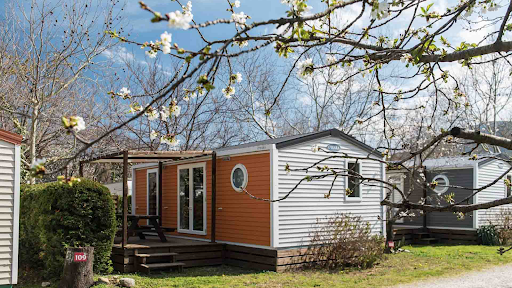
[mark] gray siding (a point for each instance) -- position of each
(460, 177)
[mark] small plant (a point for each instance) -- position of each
(504, 224)
(488, 235)
(344, 240)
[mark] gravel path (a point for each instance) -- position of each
(496, 277)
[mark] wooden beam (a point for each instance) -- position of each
(214, 194)
(125, 198)
(160, 189)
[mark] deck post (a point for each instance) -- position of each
(214, 194)
(160, 188)
(125, 198)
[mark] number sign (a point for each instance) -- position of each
(80, 257)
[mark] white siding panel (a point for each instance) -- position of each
(7, 186)
(487, 174)
(306, 205)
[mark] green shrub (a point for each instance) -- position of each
(344, 240)
(488, 235)
(57, 215)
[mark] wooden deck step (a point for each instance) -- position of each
(156, 255)
(160, 266)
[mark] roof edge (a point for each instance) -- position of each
(10, 137)
(331, 132)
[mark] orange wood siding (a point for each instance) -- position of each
(241, 220)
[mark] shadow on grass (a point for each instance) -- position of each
(208, 271)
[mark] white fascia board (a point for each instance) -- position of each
(144, 165)
(250, 149)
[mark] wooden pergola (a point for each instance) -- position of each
(160, 157)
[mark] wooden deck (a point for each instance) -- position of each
(191, 252)
(201, 253)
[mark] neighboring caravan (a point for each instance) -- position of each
(459, 171)
(9, 206)
(260, 167)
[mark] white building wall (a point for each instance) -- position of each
(299, 212)
(9, 175)
(488, 173)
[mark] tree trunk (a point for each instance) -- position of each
(33, 140)
(78, 271)
(389, 229)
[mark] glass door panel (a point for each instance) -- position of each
(152, 193)
(184, 199)
(198, 205)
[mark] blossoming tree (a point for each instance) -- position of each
(353, 36)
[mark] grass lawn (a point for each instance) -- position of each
(422, 263)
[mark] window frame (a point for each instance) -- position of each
(246, 177)
(360, 166)
(447, 183)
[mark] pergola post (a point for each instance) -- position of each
(160, 188)
(214, 194)
(125, 199)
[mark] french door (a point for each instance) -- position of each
(152, 192)
(192, 198)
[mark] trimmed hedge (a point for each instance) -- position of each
(56, 215)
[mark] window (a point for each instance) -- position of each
(509, 189)
(354, 169)
(442, 183)
(239, 177)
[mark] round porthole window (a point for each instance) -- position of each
(442, 182)
(239, 177)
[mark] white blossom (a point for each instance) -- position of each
(124, 92)
(193, 95)
(494, 7)
(228, 91)
(177, 19)
(468, 12)
(239, 19)
(164, 113)
(153, 135)
(152, 114)
(305, 68)
(331, 59)
(169, 140)
(79, 123)
(235, 78)
(406, 57)
(242, 44)
(166, 49)
(175, 109)
(186, 98)
(166, 38)
(236, 4)
(381, 11)
(135, 108)
(151, 53)
(315, 148)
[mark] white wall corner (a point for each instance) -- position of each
(274, 194)
(475, 197)
(383, 208)
(16, 216)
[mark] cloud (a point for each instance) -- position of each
(119, 54)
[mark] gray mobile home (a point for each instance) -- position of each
(454, 171)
